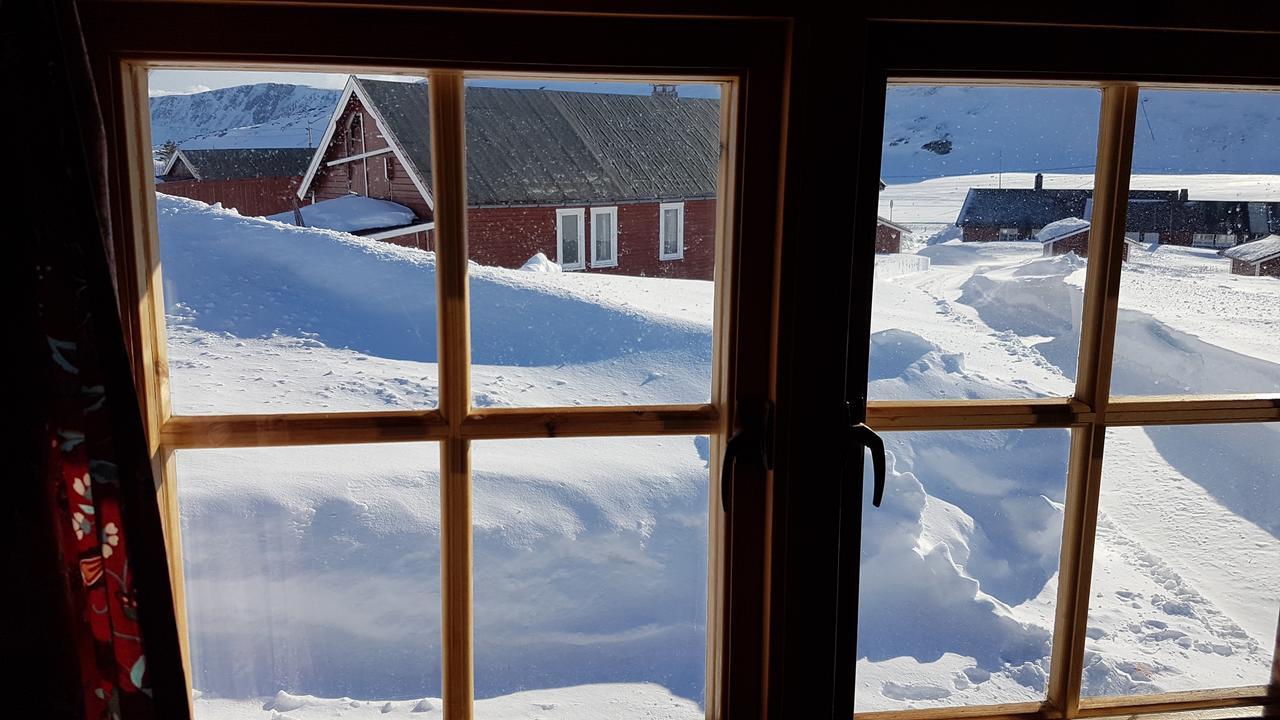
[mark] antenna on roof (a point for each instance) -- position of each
(665, 90)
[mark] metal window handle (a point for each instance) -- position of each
(864, 437)
(749, 443)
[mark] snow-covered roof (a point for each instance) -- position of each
(237, 163)
(1256, 251)
(1065, 227)
(882, 220)
(351, 213)
(555, 147)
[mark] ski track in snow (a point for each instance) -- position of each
(315, 570)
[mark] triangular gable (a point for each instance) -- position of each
(397, 148)
(173, 160)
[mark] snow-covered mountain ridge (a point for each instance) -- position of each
(261, 115)
(936, 131)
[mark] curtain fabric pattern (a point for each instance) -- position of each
(91, 542)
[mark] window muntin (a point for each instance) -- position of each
(671, 231)
(569, 239)
(968, 306)
(311, 571)
(629, 329)
(1096, 423)
(390, 429)
(1192, 320)
(959, 569)
(604, 237)
(598, 600)
(1187, 560)
(247, 328)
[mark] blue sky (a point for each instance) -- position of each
(170, 82)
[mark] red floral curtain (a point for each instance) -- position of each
(98, 629)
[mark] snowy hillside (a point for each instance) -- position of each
(313, 574)
(246, 116)
(935, 131)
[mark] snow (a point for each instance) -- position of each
(1255, 251)
(1061, 228)
(987, 129)
(352, 213)
(313, 573)
(245, 116)
(541, 264)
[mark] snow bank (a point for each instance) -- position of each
(246, 283)
(540, 263)
(314, 573)
(350, 214)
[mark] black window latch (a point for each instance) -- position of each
(751, 443)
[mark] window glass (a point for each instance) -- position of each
(590, 574)
(1186, 578)
(1200, 285)
(970, 300)
(570, 240)
(312, 578)
(296, 276)
(605, 236)
(672, 229)
(959, 569)
(574, 175)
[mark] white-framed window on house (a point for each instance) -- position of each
(569, 250)
(1009, 234)
(604, 237)
(671, 231)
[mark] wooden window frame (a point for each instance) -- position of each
(580, 214)
(1088, 413)
(662, 231)
(748, 56)
(612, 211)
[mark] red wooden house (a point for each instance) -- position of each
(600, 183)
(254, 181)
(1260, 257)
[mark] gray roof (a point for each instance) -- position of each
(1030, 208)
(552, 147)
(1255, 251)
(232, 164)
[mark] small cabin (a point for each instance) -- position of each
(254, 181)
(889, 236)
(1260, 257)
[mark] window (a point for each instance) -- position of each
(604, 237)
(597, 556)
(671, 232)
(1010, 234)
(1105, 544)
(570, 254)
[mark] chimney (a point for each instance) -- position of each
(665, 90)
(1182, 194)
(1039, 181)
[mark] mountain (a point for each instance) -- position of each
(941, 131)
(261, 115)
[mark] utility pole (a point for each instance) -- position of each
(308, 136)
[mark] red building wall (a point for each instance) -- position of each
(888, 240)
(508, 236)
(250, 196)
(980, 234)
(1270, 267)
(1079, 244)
(366, 176)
